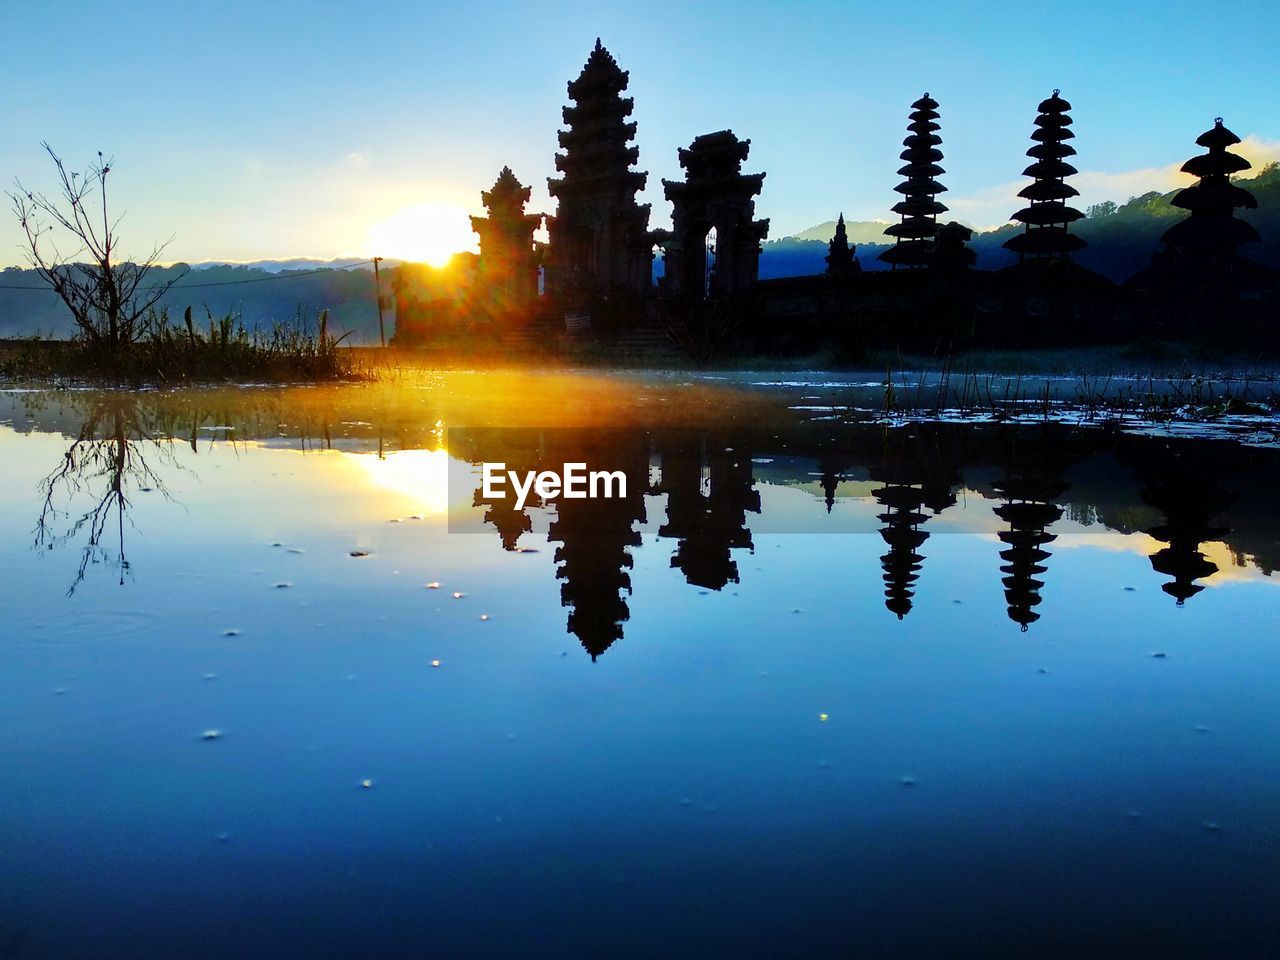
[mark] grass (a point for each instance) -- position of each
(167, 353)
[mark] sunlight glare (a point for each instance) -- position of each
(428, 233)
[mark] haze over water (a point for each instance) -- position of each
(291, 689)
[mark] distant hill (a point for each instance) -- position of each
(258, 294)
(1121, 237)
(860, 231)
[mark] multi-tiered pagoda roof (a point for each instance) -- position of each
(1047, 215)
(1213, 230)
(919, 207)
(598, 153)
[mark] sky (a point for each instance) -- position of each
(288, 129)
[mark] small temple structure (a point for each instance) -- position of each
(600, 240)
(715, 199)
(919, 208)
(1213, 233)
(506, 277)
(842, 259)
(1047, 216)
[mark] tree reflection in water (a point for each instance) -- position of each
(106, 464)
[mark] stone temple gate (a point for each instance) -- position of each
(714, 195)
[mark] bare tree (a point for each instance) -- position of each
(106, 293)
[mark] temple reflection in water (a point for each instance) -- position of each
(697, 493)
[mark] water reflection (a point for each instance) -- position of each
(700, 491)
(86, 498)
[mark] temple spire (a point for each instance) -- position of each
(841, 258)
(599, 237)
(1047, 216)
(919, 209)
(1212, 231)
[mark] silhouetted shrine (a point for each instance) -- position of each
(1047, 216)
(902, 520)
(506, 278)
(919, 207)
(1029, 510)
(842, 260)
(593, 281)
(1213, 232)
(715, 197)
(600, 240)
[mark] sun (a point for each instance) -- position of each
(423, 233)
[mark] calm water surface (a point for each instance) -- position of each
(276, 681)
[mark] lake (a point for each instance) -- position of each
(278, 680)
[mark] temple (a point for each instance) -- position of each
(1047, 216)
(931, 289)
(506, 277)
(842, 260)
(1213, 232)
(600, 241)
(919, 207)
(715, 199)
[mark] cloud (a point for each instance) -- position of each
(992, 206)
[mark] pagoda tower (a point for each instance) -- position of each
(596, 537)
(902, 519)
(1189, 500)
(1029, 512)
(919, 207)
(842, 261)
(1212, 232)
(600, 240)
(1047, 216)
(506, 278)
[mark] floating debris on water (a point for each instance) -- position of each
(359, 553)
(231, 632)
(1042, 669)
(211, 734)
(458, 594)
(277, 544)
(823, 717)
(1130, 589)
(435, 663)
(484, 616)
(282, 585)
(433, 585)
(1160, 655)
(295, 550)
(366, 784)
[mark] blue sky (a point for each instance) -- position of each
(278, 129)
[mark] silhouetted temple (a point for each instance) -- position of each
(1047, 216)
(1029, 511)
(600, 240)
(919, 207)
(593, 282)
(902, 519)
(506, 278)
(842, 260)
(1213, 232)
(1189, 499)
(715, 198)
(707, 516)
